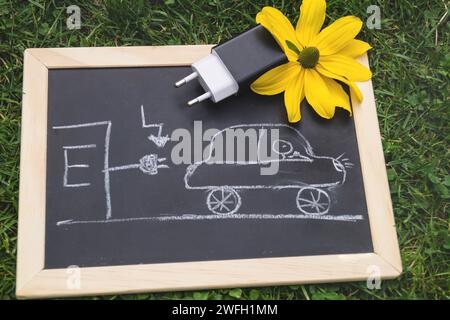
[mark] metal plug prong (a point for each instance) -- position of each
(185, 80)
(201, 98)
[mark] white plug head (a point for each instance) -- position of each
(214, 77)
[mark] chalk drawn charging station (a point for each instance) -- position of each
(100, 191)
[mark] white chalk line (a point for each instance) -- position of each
(106, 172)
(86, 146)
(82, 125)
(124, 167)
(151, 125)
(345, 218)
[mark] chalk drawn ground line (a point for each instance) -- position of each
(346, 218)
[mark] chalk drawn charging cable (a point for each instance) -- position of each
(234, 63)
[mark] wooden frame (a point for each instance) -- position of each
(34, 281)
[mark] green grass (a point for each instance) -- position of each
(410, 61)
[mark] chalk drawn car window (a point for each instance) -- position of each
(285, 150)
(282, 147)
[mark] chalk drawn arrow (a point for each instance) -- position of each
(159, 140)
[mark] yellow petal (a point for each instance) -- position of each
(355, 48)
(337, 35)
(318, 94)
(346, 67)
(294, 95)
(281, 29)
(312, 16)
(354, 89)
(275, 80)
(338, 95)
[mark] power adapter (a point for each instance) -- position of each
(234, 63)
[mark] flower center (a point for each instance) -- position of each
(309, 57)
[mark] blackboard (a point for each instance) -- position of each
(115, 197)
(87, 227)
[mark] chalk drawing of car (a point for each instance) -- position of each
(299, 168)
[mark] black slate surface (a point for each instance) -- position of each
(78, 231)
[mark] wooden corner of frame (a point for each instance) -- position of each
(29, 52)
(394, 265)
(22, 285)
(20, 293)
(32, 56)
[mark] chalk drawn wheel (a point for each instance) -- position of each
(313, 201)
(223, 201)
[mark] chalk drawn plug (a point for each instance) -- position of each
(150, 163)
(299, 169)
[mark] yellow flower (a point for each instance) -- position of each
(315, 58)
